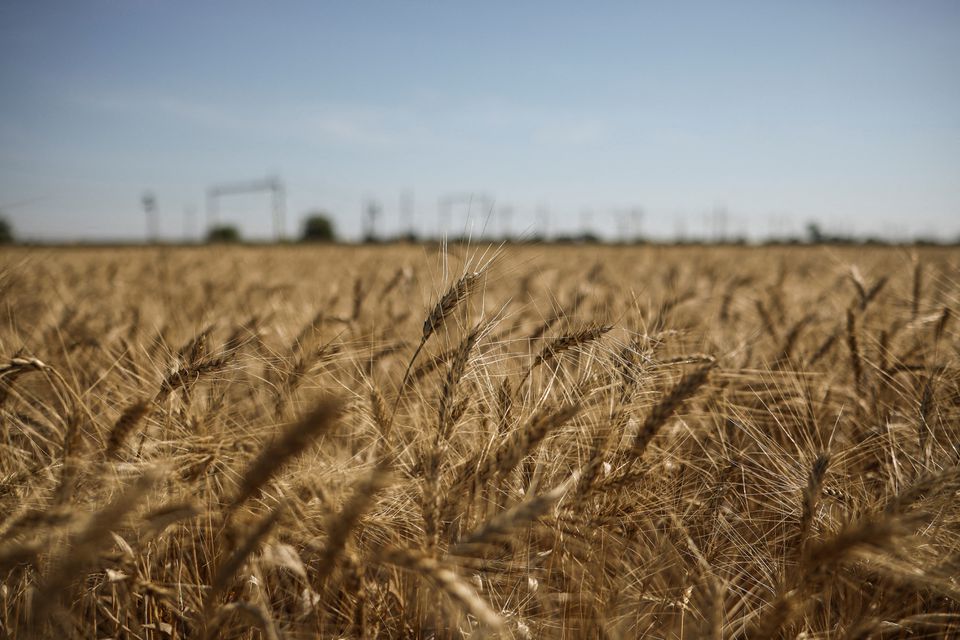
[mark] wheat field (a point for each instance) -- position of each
(514, 442)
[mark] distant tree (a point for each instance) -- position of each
(588, 237)
(6, 231)
(317, 227)
(223, 233)
(410, 237)
(814, 233)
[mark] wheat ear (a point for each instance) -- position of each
(293, 441)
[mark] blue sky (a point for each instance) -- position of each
(778, 113)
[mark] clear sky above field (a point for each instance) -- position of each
(570, 113)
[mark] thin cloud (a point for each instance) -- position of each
(316, 123)
(571, 132)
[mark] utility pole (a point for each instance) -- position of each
(636, 220)
(279, 193)
(623, 226)
(212, 208)
(189, 223)
(371, 212)
(443, 215)
(149, 202)
(506, 222)
(679, 229)
(719, 218)
(586, 223)
(543, 222)
(406, 213)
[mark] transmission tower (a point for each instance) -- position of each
(278, 195)
(446, 203)
(586, 223)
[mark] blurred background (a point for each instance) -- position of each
(146, 120)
